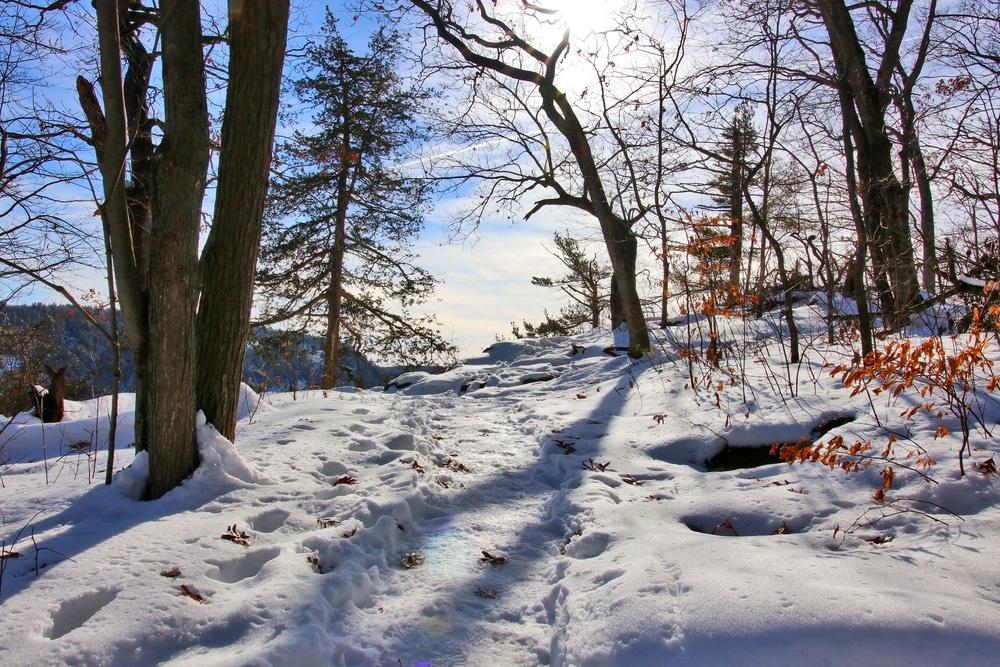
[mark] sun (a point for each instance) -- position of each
(583, 16)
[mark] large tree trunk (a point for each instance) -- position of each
(181, 167)
(884, 199)
(618, 237)
(257, 34)
(335, 291)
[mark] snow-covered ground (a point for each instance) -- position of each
(545, 504)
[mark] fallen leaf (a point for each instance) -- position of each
(233, 534)
(629, 479)
(189, 592)
(492, 559)
(411, 560)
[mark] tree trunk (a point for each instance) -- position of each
(884, 199)
(181, 167)
(736, 177)
(618, 237)
(334, 314)
(258, 30)
(857, 273)
(110, 137)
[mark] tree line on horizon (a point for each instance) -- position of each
(35, 335)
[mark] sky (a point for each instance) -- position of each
(545, 503)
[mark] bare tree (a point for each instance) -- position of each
(865, 96)
(501, 57)
(37, 158)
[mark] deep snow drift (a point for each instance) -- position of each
(545, 504)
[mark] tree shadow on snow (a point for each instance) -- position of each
(540, 551)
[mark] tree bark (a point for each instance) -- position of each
(181, 168)
(258, 30)
(110, 141)
(883, 196)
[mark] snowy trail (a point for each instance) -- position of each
(489, 480)
(500, 473)
(349, 529)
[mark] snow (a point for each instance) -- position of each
(584, 473)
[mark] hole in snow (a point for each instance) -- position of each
(736, 457)
(745, 525)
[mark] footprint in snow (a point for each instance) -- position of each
(589, 545)
(72, 614)
(237, 569)
(269, 521)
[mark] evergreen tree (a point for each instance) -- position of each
(584, 284)
(739, 141)
(337, 248)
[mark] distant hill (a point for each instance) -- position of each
(32, 336)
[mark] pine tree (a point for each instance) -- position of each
(739, 141)
(584, 284)
(337, 248)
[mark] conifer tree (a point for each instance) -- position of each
(584, 285)
(337, 248)
(739, 141)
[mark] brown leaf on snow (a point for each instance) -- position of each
(493, 559)
(567, 447)
(189, 592)
(327, 522)
(233, 534)
(411, 560)
(314, 561)
(595, 466)
(488, 593)
(629, 479)
(783, 530)
(171, 573)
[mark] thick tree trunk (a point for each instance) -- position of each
(331, 344)
(884, 199)
(257, 35)
(181, 167)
